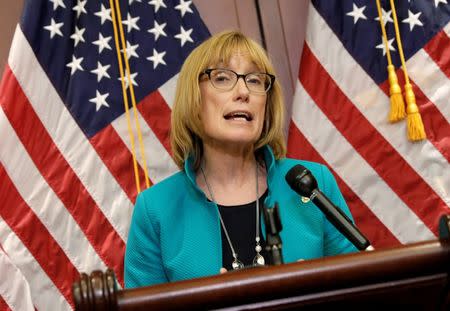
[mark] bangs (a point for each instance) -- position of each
(221, 51)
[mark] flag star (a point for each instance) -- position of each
(131, 23)
(78, 35)
(75, 65)
(357, 13)
(132, 78)
(158, 30)
(184, 7)
(99, 100)
(54, 28)
(102, 42)
(104, 14)
(57, 3)
(386, 17)
(382, 46)
(157, 4)
(101, 71)
(157, 58)
(436, 2)
(80, 7)
(413, 20)
(184, 35)
(131, 50)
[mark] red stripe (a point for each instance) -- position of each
(59, 175)
(36, 238)
(119, 160)
(438, 49)
(377, 233)
(156, 113)
(435, 124)
(364, 138)
(3, 305)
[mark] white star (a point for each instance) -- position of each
(157, 58)
(158, 30)
(131, 50)
(184, 7)
(102, 42)
(131, 23)
(357, 13)
(101, 71)
(99, 100)
(54, 28)
(413, 20)
(57, 3)
(184, 35)
(157, 4)
(132, 77)
(79, 8)
(386, 17)
(104, 14)
(436, 2)
(383, 46)
(75, 65)
(78, 35)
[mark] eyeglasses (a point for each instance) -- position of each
(226, 79)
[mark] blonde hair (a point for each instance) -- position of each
(186, 126)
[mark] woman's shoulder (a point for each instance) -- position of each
(169, 185)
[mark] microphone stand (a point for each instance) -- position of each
(273, 239)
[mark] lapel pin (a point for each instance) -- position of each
(305, 200)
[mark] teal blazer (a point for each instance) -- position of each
(175, 231)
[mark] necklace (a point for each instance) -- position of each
(237, 264)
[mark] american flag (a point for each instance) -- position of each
(67, 181)
(396, 189)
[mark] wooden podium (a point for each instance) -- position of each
(415, 276)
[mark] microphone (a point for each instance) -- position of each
(303, 182)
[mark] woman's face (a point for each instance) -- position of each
(235, 117)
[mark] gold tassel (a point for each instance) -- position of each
(416, 131)
(397, 111)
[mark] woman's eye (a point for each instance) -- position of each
(255, 81)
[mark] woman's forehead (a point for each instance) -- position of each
(225, 58)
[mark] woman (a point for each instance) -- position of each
(227, 139)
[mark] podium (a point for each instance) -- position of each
(414, 276)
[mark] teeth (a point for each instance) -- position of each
(238, 115)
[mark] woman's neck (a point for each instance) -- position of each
(231, 175)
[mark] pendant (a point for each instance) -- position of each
(237, 264)
(259, 260)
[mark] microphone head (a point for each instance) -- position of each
(300, 179)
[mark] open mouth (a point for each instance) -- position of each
(238, 115)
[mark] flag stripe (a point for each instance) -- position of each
(44, 294)
(351, 121)
(427, 75)
(356, 172)
(377, 233)
(374, 104)
(36, 193)
(119, 160)
(36, 237)
(67, 135)
(14, 289)
(159, 162)
(157, 115)
(438, 49)
(55, 169)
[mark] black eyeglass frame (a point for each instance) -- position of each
(243, 76)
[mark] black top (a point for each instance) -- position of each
(240, 221)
